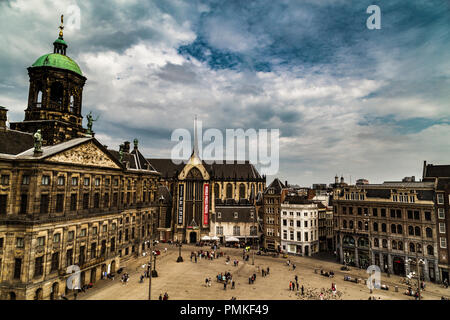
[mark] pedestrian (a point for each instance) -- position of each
(166, 296)
(290, 285)
(303, 289)
(232, 284)
(225, 285)
(267, 270)
(160, 296)
(206, 282)
(293, 266)
(196, 258)
(297, 286)
(296, 278)
(321, 296)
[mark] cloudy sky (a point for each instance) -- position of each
(363, 103)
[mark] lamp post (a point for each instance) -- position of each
(180, 258)
(253, 244)
(418, 261)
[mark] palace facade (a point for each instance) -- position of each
(72, 205)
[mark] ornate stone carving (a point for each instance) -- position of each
(85, 154)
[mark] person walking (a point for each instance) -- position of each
(232, 284)
(160, 296)
(303, 289)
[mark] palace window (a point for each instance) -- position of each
(73, 202)
(59, 202)
(61, 181)
(441, 227)
(55, 261)
(4, 180)
(96, 200)
(74, 181)
(38, 266)
(83, 232)
(56, 237)
(17, 268)
(440, 198)
(40, 241)
(45, 200)
(69, 257)
(236, 230)
(383, 212)
(70, 235)
(86, 201)
(97, 182)
(45, 180)
(429, 232)
(26, 180)
(383, 227)
(430, 250)
(23, 204)
(3, 203)
(86, 181)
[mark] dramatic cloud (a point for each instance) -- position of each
(347, 100)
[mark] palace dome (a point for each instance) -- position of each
(57, 60)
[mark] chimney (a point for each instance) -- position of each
(126, 146)
(3, 117)
(285, 183)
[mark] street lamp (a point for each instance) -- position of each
(180, 258)
(418, 261)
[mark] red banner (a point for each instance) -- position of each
(205, 204)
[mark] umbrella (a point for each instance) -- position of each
(206, 238)
(232, 239)
(215, 238)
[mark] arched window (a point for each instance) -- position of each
(399, 229)
(359, 225)
(216, 191)
(71, 104)
(383, 227)
(394, 244)
(429, 233)
(375, 226)
(400, 245)
(229, 191)
(57, 92)
(344, 224)
(412, 248)
(366, 226)
(351, 224)
(411, 230)
(417, 231)
(430, 250)
(242, 191)
(385, 243)
(376, 242)
(39, 99)
(393, 228)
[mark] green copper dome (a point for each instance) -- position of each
(57, 60)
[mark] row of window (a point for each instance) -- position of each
(61, 181)
(237, 230)
(299, 214)
(299, 236)
(305, 223)
(60, 199)
(395, 229)
(393, 213)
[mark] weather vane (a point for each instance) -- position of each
(61, 27)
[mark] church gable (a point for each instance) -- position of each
(87, 154)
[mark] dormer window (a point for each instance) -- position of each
(236, 215)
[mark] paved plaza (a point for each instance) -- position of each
(186, 280)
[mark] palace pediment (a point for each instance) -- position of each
(86, 154)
